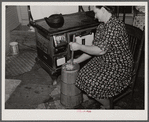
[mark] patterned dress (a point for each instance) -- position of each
(107, 75)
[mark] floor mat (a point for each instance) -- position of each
(10, 86)
(21, 63)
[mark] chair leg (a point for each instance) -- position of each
(132, 100)
(111, 103)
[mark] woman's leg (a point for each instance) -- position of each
(105, 103)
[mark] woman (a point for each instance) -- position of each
(108, 72)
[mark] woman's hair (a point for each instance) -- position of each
(110, 9)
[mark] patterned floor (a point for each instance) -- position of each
(21, 63)
(10, 86)
(36, 91)
(55, 103)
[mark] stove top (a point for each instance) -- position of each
(71, 22)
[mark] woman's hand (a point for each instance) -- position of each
(74, 46)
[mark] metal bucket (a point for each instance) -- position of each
(14, 50)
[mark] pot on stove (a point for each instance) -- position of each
(55, 20)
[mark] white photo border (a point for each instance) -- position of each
(52, 114)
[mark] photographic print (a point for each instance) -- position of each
(74, 60)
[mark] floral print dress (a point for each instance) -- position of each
(107, 75)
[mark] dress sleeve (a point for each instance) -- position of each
(105, 37)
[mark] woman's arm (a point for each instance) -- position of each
(92, 50)
(82, 58)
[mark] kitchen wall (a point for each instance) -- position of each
(12, 21)
(40, 12)
(23, 15)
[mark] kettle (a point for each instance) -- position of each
(55, 20)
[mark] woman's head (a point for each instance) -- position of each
(110, 9)
(103, 12)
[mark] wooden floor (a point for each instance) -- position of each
(36, 89)
(37, 92)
